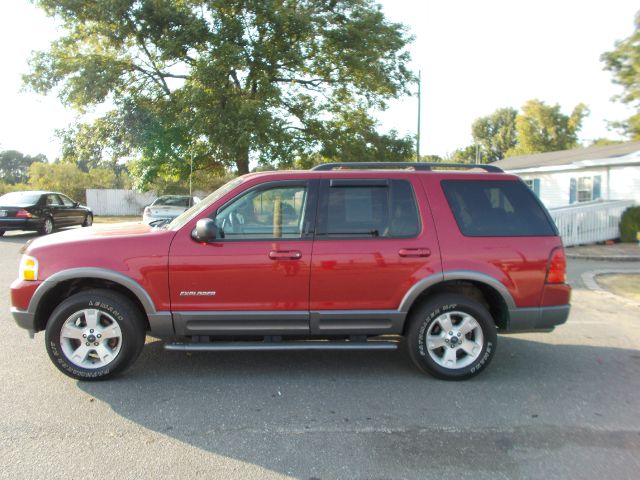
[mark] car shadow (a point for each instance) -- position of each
(19, 236)
(270, 408)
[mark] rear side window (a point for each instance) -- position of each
(496, 209)
(368, 209)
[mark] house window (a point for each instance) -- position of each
(533, 184)
(585, 189)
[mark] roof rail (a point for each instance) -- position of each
(403, 165)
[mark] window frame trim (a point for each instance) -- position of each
(325, 186)
(308, 215)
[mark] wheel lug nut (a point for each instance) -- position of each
(87, 344)
(99, 336)
(84, 335)
(459, 334)
(91, 331)
(96, 344)
(450, 333)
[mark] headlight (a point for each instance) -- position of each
(28, 268)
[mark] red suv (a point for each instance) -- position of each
(339, 257)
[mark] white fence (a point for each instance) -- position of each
(118, 202)
(589, 222)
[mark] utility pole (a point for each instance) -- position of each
(419, 104)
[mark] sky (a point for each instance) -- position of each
(474, 56)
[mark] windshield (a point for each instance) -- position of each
(171, 202)
(19, 199)
(187, 215)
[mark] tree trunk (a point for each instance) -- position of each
(242, 160)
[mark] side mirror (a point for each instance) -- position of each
(76, 204)
(205, 231)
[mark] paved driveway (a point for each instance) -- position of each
(559, 405)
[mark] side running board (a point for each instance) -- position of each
(283, 345)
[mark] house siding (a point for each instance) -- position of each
(617, 183)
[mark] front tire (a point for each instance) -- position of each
(451, 337)
(94, 335)
(88, 220)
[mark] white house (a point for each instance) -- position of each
(610, 172)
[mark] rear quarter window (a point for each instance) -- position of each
(497, 208)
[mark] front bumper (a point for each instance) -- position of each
(25, 320)
(536, 319)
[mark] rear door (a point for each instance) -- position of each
(374, 240)
(55, 208)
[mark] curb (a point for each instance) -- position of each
(589, 279)
(605, 258)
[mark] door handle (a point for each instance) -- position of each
(285, 254)
(414, 252)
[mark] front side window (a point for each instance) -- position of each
(368, 209)
(264, 213)
(67, 201)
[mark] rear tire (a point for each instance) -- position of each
(94, 335)
(1, 233)
(47, 226)
(451, 337)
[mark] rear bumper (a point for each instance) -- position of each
(537, 319)
(20, 223)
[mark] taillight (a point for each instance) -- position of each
(22, 213)
(557, 269)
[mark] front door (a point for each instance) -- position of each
(255, 278)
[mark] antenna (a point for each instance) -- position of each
(419, 105)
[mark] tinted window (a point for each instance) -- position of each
(369, 209)
(53, 200)
(264, 214)
(66, 200)
(496, 209)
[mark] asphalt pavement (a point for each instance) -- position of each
(558, 405)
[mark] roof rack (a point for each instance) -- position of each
(402, 165)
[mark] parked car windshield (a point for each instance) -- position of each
(185, 216)
(19, 199)
(171, 201)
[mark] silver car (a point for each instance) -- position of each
(167, 207)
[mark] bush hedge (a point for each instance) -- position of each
(630, 224)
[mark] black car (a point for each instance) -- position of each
(41, 211)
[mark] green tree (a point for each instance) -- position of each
(14, 166)
(220, 82)
(465, 155)
(544, 128)
(496, 134)
(624, 63)
(69, 179)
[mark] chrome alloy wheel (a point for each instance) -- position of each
(91, 338)
(454, 340)
(47, 226)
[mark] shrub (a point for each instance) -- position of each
(630, 224)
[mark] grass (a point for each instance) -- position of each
(107, 219)
(627, 286)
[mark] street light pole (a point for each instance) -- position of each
(419, 104)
